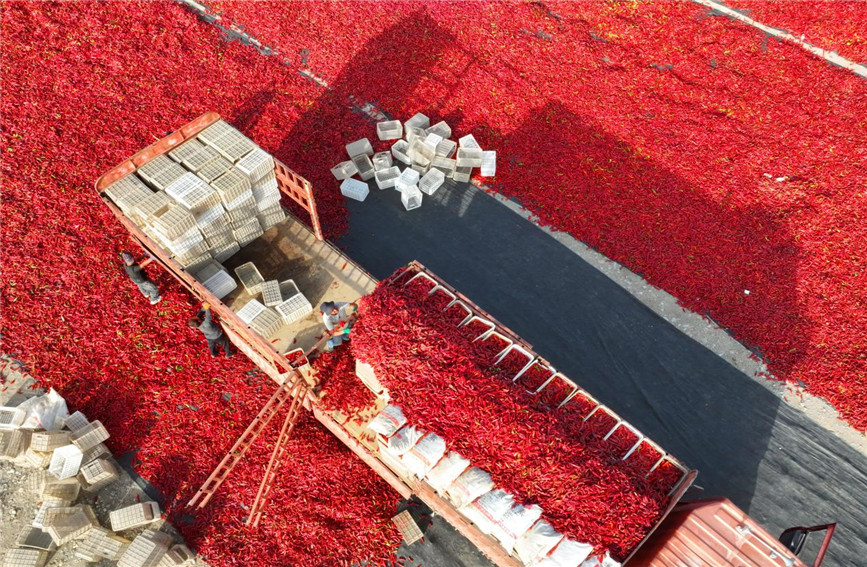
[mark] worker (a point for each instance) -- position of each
(338, 317)
(213, 332)
(135, 272)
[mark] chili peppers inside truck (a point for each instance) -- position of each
(527, 465)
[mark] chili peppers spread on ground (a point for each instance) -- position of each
(446, 383)
(689, 147)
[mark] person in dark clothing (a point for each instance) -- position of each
(213, 332)
(136, 274)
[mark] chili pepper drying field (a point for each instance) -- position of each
(605, 115)
(833, 26)
(652, 131)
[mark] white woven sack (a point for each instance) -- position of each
(515, 523)
(568, 553)
(470, 485)
(404, 440)
(537, 542)
(446, 471)
(389, 420)
(425, 454)
(486, 510)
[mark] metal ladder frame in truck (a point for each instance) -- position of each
(681, 533)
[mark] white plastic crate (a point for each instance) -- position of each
(43, 508)
(61, 491)
(446, 165)
(271, 293)
(178, 556)
(248, 232)
(186, 149)
(127, 191)
(100, 543)
(413, 133)
(462, 174)
(295, 308)
(48, 440)
(99, 470)
(446, 148)
(202, 157)
(432, 140)
(469, 157)
(267, 220)
(193, 193)
(344, 170)
(220, 284)
(256, 165)
(214, 169)
(431, 181)
(66, 524)
(221, 238)
(489, 163)
(194, 263)
(441, 129)
(249, 312)
(411, 198)
(25, 558)
(359, 147)
(266, 323)
(381, 160)
(399, 151)
(242, 218)
(231, 185)
(210, 215)
(469, 142)
(161, 172)
(250, 277)
(95, 452)
(174, 222)
(75, 421)
(35, 538)
(90, 436)
(232, 144)
(266, 196)
(421, 152)
(65, 462)
(267, 183)
(354, 189)
(365, 166)
(408, 178)
(190, 242)
(223, 253)
(419, 120)
(144, 551)
(243, 201)
(421, 169)
(134, 516)
(288, 288)
(386, 178)
(153, 205)
(389, 130)
(11, 418)
(213, 132)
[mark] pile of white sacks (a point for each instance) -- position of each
(426, 153)
(521, 530)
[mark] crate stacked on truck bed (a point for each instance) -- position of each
(204, 200)
(516, 447)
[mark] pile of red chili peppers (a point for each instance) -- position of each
(448, 384)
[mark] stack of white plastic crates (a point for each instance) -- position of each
(426, 152)
(204, 200)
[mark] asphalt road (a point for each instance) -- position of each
(767, 457)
